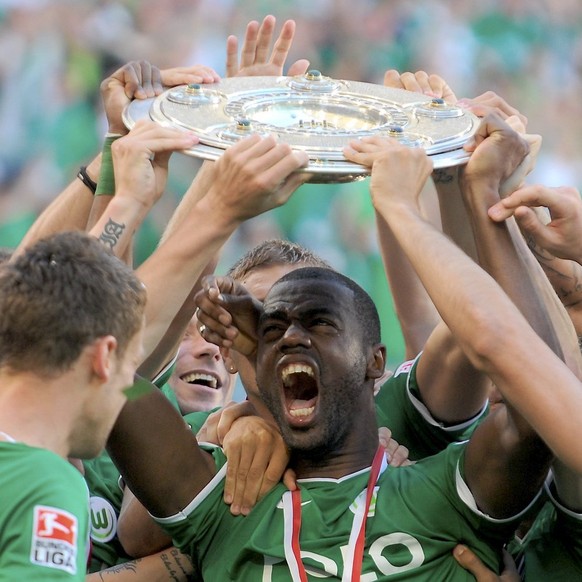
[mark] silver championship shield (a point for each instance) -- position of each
(313, 113)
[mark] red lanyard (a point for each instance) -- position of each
(355, 555)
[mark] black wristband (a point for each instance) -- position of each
(84, 177)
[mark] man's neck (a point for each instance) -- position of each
(336, 464)
(34, 413)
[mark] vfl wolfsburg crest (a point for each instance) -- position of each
(103, 520)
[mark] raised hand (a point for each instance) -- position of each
(561, 236)
(142, 80)
(135, 80)
(254, 175)
(398, 172)
(435, 86)
(227, 314)
(497, 151)
(420, 82)
(141, 159)
(185, 75)
(255, 59)
(490, 102)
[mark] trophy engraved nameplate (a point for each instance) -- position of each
(313, 113)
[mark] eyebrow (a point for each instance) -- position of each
(315, 311)
(277, 314)
(280, 315)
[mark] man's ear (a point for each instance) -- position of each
(104, 358)
(376, 362)
(228, 361)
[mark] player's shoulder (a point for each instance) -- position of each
(37, 464)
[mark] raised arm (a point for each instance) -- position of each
(135, 80)
(458, 386)
(76, 207)
(141, 162)
(505, 447)
(561, 234)
(550, 220)
(495, 335)
(254, 175)
(416, 313)
(68, 211)
(449, 385)
(71, 210)
(494, 489)
(255, 59)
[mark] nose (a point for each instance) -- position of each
(204, 349)
(294, 337)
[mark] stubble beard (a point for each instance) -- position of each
(330, 433)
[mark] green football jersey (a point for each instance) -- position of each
(170, 395)
(43, 516)
(400, 408)
(164, 374)
(106, 495)
(194, 420)
(552, 549)
(417, 516)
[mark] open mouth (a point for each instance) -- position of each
(201, 379)
(300, 390)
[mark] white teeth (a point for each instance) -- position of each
(302, 411)
(295, 369)
(195, 377)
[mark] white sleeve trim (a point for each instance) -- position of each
(182, 515)
(165, 369)
(429, 418)
(557, 504)
(467, 498)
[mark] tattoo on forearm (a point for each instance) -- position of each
(178, 565)
(443, 176)
(112, 233)
(543, 257)
(565, 276)
(128, 566)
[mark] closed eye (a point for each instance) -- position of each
(271, 331)
(323, 323)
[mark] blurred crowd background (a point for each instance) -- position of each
(54, 53)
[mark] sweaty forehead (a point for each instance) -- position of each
(311, 293)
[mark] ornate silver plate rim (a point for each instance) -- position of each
(313, 113)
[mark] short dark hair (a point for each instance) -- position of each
(274, 252)
(60, 295)
(363, 303)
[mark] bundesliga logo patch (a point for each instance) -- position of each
(54, 539)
